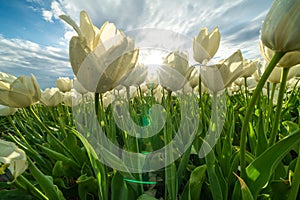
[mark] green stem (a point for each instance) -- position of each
(279, 106)
(246, 89)
(296, 179)
(277, 56)
(97, 96)
(170, 171)
(210, 158)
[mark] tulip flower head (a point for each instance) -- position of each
(206, 44)
(13, 156)
(6, 110)
(135, 77)
(175, 71)
(51, 97)
(78, 87)
(280, 30)
(100, 57)
(250, 66)
(19, 92)
(219, 76)
(290, 59)
(64, 84)
(275, 76)
(71, 98)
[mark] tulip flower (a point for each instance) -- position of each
(290, 59)
(78, 87)
(51, 97)
(206, 44)
(275, 76)
(13, 156)
(250, 66)
(219, 76)
(100, 57)
(6, 110)
(64, 84)
(72, 98)
(175, 71)
(194, 78)
(135, 77)
(7, 78)
(280, 30)
(19, 92)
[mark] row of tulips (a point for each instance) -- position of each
(104, 61)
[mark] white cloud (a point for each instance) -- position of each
(20, 57)
(47, 15)
(239, 22)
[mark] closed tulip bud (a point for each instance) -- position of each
(206, 44)
(175, 71)
(5, 110)
(19, 93)
(14, 157)
(51, 97)
(72, 98)
(280, 30)
(64, 84)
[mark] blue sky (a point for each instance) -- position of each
(34, 40)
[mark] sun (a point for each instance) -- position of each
(152, 58)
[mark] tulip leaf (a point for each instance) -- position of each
(58, 156)
(46, 183)
(193, 188)
(146, 197)
(120, 189)
(246, 193)
(260, 170)
(87, 186)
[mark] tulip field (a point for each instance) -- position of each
(226, 129)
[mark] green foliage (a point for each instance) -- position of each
(64, 165)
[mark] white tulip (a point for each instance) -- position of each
(15, 157)
(280, 30)
(6, 110)
(64, 84)
(51, 97)
(206, 44)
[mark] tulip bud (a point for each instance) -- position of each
(51, 97)
(275, 76)
(290, 59)
(135, 77)
(72, 98)
(78, 87)
(219, 76)
(175, 71)
(15, 157)
(250, 67)
(64, 84)
(280, 30)
(22, 92)
(206, 44)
